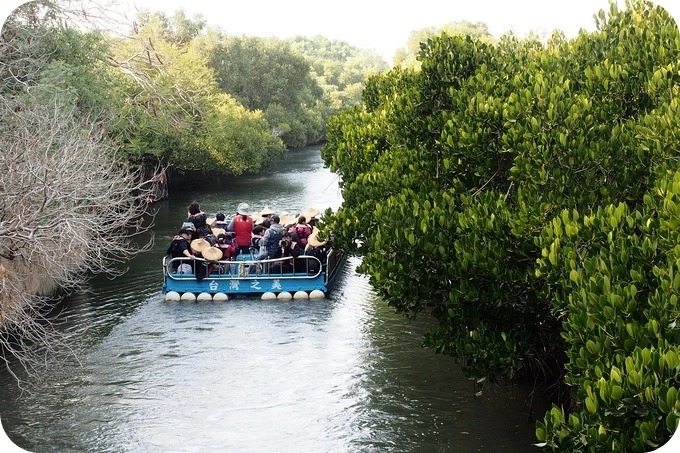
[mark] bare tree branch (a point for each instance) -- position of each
(70, 206)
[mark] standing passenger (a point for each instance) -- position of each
(242, 225)
(199, 219)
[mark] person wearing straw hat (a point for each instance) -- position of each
(287, 220)
(313, 241)
(266, 217)
(199, 246)
(312, 216)
(242, 225)
(212, 255)
(316, 248)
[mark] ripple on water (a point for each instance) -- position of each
(344, 374)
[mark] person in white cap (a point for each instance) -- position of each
(242, 225)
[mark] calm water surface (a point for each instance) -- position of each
(345, 374)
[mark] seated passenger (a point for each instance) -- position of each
(220, 222)
(299, 264)
(256, 240)
(271, 239)
(227, 244)
(212, 254)
(286, 249)
(312, 216)
(302, 230)
(316, 248)
(266, 216)
(179, 247)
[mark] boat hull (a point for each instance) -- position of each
(252, 278)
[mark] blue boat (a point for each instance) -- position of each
(247, 276)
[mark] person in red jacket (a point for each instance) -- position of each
(242, 225)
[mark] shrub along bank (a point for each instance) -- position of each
(526, 196)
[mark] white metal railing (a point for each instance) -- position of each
(232, 269)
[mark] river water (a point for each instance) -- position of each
(345, 374)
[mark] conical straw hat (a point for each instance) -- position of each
(199, 245)
(313, 239)
(311, 213)
(212, 254)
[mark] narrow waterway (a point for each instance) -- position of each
(345, 374)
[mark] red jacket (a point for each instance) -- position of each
(243, 230)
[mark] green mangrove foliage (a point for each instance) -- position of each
(172, 109)
(177, 93)
(614, 277)
(507, 189)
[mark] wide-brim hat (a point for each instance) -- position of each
(243, 209)
(212, 254)
(257, 218)
(311, 213)
(287, 219)
(199, 245)
(313, 239)
(266, 211)
(217, 231)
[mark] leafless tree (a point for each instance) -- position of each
(69, 205)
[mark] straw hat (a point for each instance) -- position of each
(243, 209)
(310, 213)
(257, 218)
(313, 239)
(212, 254)
(287, 219)
(218, 231)
(199, 245)
(266, 211)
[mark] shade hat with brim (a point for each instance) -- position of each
(266, 211)
(212, 254)
(199, 245)
(257, 218)
(311, 213)
(217, 231)
(243, 209)
(287, 219)
(313, 239)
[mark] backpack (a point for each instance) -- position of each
(303, 232)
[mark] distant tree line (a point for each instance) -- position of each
(94, 124)
(526, 195)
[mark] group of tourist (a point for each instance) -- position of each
(262, 235)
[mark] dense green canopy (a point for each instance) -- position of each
(525, 195)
